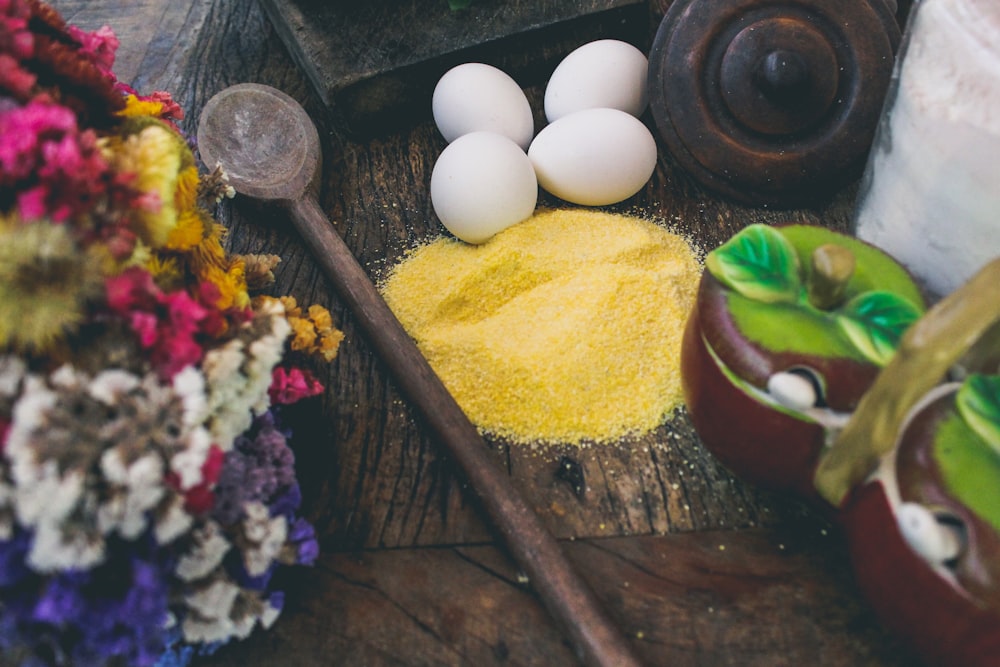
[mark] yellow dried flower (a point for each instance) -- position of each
(155, 156)
(260, 270)
(329, 344)
(209, 251)
(231, 284)
(320, 317)
(291, 306)
(186, 192)
(208, 262)
(135, 107)
(166, 271)
(188, 233)
(303, 334)
(46, 281)
(314, 333)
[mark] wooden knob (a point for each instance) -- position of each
(772, 102)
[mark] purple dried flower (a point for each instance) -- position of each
(286, 503)
(229, 490)
(116, 611)
(277, 600)
(13, 553)
(179, 654)
(60, 600)
(260, 467)
(237, 570)
(302, 536)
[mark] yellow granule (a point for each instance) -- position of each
(563, 328)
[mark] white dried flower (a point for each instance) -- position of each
(243, 626)
(109, 386)
(6, 511)
(134, 488)
(209, 548)
(265, 536)
(42, 494)
(269, 616)
(110, 513)
(239, 374)
(188, 462)
(12, 370)
(172, 520)
(189, 386)
(28, 415)
(208, 620)
(55, 549)
(67, 377)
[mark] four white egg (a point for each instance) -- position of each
(594, 152)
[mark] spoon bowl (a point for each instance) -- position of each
(265, 140)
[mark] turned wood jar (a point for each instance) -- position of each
(772, 102)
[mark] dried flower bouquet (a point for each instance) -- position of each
(147, 489)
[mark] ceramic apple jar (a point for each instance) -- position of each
(791, 326)
(924, 526)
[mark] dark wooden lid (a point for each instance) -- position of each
(771, 102)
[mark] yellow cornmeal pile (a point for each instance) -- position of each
(565, 327)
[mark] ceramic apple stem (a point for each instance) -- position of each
(832, 268)
(932, 346)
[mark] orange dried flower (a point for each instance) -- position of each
(313, 331)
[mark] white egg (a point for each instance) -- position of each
(594, 157)
(477, 97)
(481, 184)
(606, 73)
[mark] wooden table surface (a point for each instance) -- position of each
(696, 567)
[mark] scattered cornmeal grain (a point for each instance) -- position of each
(563, 328)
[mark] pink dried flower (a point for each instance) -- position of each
(128, 290)
(15, 79)
(213, 465)
(55, 170)
(15, 38)
(22, 130)
(99, 46)
(291, 385)
(200, 498)
(168, 324)
(171, 110)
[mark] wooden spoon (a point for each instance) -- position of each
(270, 150)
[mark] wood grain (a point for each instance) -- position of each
(409, 574)
(768, 598)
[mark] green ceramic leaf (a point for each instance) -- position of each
(758, 263)
(979, 404)
(970, 469)
(875, 321)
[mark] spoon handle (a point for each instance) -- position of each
(568, 598)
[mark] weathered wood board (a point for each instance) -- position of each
(375, 62)
(409, 572)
